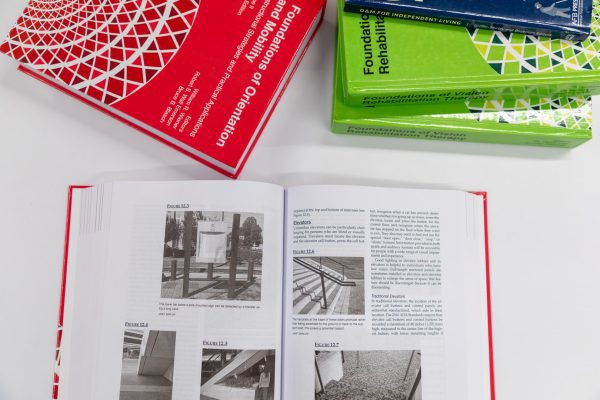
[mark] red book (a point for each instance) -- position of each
(200, 76)
(138, 265)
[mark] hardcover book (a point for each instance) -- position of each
(561, 19)
(200, 76)
(392, 61)
(239, 290)
(552, 122)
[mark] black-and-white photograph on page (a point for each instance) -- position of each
(329, 285)
(237, 374)
(211, 255)
(148, 365)
(368, 375)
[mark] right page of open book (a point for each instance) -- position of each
(386, 295)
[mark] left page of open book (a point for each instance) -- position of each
(173, 292)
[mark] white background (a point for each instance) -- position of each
(544, 216)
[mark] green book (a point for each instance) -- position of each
(392, 61)
(552, 122)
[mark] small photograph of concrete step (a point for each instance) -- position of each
(368, 375)
(329, 285)
(229, 374)
(147, 366)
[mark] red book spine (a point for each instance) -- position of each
(63, 287)
(488, 294)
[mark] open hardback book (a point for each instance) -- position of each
(237, 290)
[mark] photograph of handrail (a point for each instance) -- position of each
(329, 285)
(237, 374)
(148, 364)
(368, 375)
(212, 255)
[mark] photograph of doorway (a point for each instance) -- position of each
(147, 365)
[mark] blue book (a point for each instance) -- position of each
(558, 19)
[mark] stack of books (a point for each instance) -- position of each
(396, 75)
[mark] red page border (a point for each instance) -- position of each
(489, 293)
(63, 287)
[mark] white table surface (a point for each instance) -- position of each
(544, 217)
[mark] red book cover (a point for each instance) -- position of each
(202, 76)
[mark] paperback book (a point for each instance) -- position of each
(561, 19)
(200, 76)
(391, 61)
(239, 290)
(551, 122)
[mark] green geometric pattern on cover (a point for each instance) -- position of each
(563, 112)
(515, 53)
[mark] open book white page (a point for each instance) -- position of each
(174, 292)
(385, 295)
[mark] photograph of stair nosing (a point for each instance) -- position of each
(307, 296)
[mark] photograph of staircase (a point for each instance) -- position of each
(329, 285)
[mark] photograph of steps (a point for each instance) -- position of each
(237, 374)
(368, 375)
(329, 285)
(212, 255)
(147, 367)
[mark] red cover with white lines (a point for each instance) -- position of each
(200, 74)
